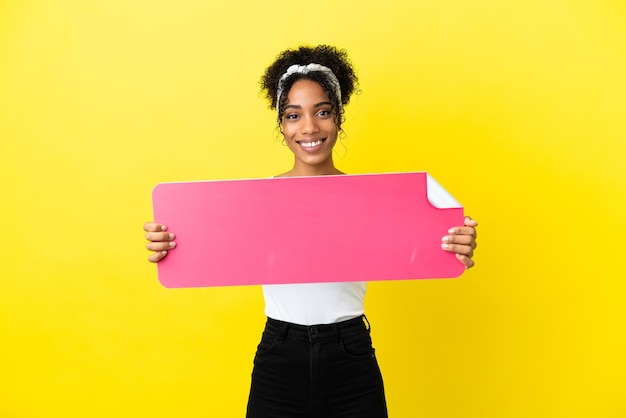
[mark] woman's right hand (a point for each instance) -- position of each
(160, 241)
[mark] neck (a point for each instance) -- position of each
(302, 170)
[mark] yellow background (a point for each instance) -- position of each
(517, 108)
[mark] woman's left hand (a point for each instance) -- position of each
(462, 241)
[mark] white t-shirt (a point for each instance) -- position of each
(314, 303)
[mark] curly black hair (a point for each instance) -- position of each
(326, 55)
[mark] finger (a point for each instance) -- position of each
(467, 261)
(156, 257)
(470, 222)
(160, 236)
(460, 239)
(466, 250)
(463, 230)
(160, 246)
(154, 227)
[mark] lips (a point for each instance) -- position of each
(310, 144)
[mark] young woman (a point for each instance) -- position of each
(315, 358)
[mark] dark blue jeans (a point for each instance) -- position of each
(325, 371)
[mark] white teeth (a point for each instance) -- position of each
(311, 144)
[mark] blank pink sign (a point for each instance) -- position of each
(306, 229)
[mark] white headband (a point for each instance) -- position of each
(305, 69)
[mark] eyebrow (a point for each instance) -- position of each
(315, 105)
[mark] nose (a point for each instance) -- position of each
(309, 124)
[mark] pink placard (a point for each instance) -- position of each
(305, 230)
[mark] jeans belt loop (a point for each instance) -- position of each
(367, 323)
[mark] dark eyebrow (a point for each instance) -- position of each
(315, 105)
(323, 103)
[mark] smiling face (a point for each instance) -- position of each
(309, 127)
